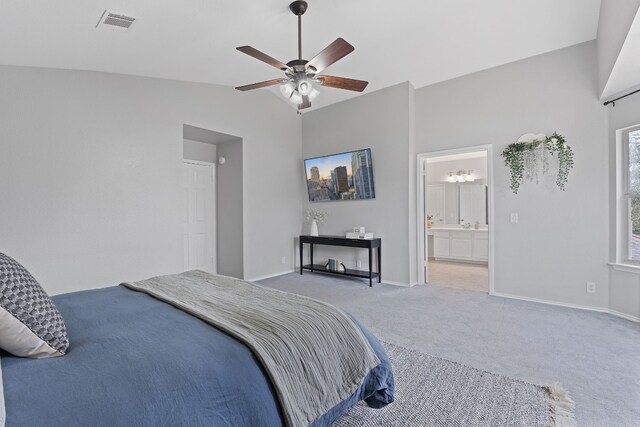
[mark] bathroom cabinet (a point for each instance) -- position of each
(460, 244)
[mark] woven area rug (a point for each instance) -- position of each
(435, 392)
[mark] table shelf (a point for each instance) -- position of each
(369, 244)
(319, 268)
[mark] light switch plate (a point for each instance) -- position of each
(514, 217)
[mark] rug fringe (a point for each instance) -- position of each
(561, 406)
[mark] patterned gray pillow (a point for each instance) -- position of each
(30, 324)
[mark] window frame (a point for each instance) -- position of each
(625, 231)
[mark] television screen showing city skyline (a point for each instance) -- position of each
(343, 176)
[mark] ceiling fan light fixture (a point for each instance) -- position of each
(305, 87)
(287, 89)
(296, 98)
(313, 94)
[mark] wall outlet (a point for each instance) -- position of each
(284, 260)
(514, 217)
(591, 287)
(359, 264)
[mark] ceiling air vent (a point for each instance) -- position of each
(115, 21)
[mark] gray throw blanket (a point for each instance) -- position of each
(314, 354)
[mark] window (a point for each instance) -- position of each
(631, 191)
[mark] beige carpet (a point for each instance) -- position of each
(458, 275)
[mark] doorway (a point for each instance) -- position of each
(198, 183)
(222, 153)
(455, 218)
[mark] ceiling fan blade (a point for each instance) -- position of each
(306, 103)
(343, 83)
(332, 53)
(259, 85)
(262, 57)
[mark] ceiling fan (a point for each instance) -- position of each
(301, 75)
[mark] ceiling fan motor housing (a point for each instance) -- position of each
(298, 7)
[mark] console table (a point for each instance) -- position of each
(369, 244)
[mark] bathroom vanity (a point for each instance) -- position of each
(455, 243)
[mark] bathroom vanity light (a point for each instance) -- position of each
(461, 176)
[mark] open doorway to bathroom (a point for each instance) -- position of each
(455, 218)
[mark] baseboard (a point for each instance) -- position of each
(269, 276)
(461, 261)
(401, 284)
(625, 316)
(568, 305)
(549, 302)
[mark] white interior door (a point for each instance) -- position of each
(199, 218)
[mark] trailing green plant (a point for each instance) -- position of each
(522, 159)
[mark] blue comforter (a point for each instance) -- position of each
(136, 361)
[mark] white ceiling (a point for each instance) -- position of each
(423, 41)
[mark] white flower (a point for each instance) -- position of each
(554, 140)
(316, 215)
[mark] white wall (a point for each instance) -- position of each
(90, 167)
(561, 241)
(381, 121)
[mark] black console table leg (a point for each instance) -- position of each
(311, 253)
(370, 267)
(301, 257)
(380, 264)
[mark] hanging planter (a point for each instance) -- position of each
(529, 158)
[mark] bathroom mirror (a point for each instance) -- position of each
(457, 203)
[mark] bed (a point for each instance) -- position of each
(137, 358)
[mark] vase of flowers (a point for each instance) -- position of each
(315, 216)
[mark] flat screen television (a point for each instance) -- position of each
(342, 176)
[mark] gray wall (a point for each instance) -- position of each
(90, 171)
(200, 151)
(379, 120)
(229, 203)
(562, 240)
(625, 286)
